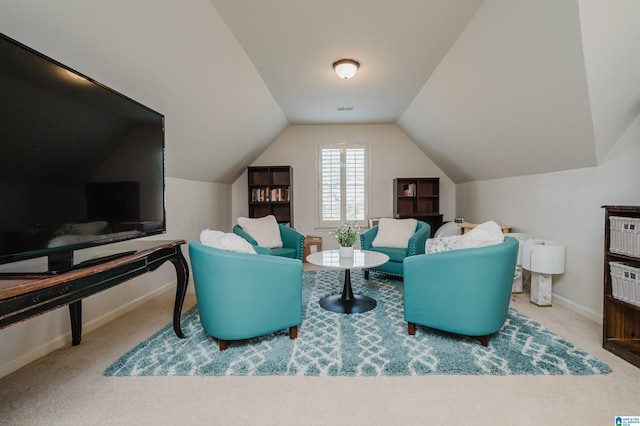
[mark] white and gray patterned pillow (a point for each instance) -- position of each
(436, 245)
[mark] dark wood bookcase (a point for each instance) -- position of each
(621, 320)
(418, 198)
(271, 192)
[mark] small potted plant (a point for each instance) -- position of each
(346, 234)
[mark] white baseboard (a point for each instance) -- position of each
(578, 309)
(62, 340)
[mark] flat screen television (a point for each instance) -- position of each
(81, 165)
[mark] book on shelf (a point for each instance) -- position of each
(259, 195)
(409, 190)
(280, 194)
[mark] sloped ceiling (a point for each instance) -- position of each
(504, 86)
(531, 87)
(293, 45)
(510, 98)
(611, 40)
(487, 89)
(176, 57)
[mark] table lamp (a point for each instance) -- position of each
(543, 258)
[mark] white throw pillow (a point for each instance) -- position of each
(485, 234)
(208, 236)
(228, 241)
(264, 230)
(394, 233)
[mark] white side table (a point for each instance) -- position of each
(347, 302)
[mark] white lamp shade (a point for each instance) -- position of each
(521, 238)
(543, 256)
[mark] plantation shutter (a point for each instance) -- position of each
(331, 197)
(342, 184)
(354, 184)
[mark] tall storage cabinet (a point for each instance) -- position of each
(621, 311)
(418, 198)
(271, 192)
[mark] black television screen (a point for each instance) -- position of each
(80, 164)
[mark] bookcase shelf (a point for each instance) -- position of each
(270, 191)
(418, 198)
(621, 320)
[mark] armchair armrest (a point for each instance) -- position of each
(367, 237)
(241, 232)
(292, 238)
(262, 250)
(270, 272)
(419, 239)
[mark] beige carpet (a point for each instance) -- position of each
(68, 387)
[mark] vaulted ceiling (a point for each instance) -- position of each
(293, 45)
(486, 88)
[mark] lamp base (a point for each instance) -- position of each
(541, 289)
(517, 281)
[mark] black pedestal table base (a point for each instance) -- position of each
(347, 302)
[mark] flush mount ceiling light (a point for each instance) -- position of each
(346, 68)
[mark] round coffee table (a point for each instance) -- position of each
(347, 302)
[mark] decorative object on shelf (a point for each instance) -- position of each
(346, 234)
(625, 281)
(543, 258)
(346, 68)
(625, 235)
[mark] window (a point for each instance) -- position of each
(342, 183)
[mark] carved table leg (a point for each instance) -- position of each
(182, 273)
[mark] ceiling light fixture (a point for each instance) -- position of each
(346, 68)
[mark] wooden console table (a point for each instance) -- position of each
(25, 296)
(466, 227)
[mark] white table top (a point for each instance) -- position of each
(361, 259)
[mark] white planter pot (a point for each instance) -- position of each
(346, 252)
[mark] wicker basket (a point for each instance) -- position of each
(625, 235)
(625, 281)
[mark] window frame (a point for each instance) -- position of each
(343, 146)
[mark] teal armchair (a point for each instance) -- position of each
(396, 255)
(465, 291)
(243, 295)
(292, 242)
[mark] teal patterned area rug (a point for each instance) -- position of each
(374, 343)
